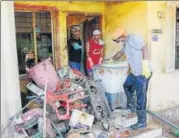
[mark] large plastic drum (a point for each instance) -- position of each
(42, 72)
(113, 77)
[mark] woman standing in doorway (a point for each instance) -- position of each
(94, 51)
(74, 48)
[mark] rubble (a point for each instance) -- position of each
(81, 119)
(76, 107)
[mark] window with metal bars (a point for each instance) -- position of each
(28, 24)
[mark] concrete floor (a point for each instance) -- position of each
(171, 115)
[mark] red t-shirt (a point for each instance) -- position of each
(94, 53)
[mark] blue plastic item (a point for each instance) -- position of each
(77, 46)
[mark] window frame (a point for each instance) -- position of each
(54, 27)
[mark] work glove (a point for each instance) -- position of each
(90, 62)
(77, 46)
(146, 69)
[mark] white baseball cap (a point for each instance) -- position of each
(96, 32)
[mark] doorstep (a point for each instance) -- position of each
(161, 137)
(152, 131)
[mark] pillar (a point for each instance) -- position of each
(10, 91)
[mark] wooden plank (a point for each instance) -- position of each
(35, 39)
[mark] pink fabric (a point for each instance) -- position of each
(42, 70)
(29, 115)
(36, 113)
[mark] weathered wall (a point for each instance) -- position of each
(77, 6)
(130, 15)
(64, 9)
(164, 88)
(138, 18)
(10, 91)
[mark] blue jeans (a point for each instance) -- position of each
(75, 65)
(140, 85)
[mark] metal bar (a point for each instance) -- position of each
(12, 118)
(163, 120)
(44, 108)
(52, 37)
(34, 35)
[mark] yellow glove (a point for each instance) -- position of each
(146, 71)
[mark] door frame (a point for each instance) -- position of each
(87, 14)
(54, 25)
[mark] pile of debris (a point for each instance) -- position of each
(71, 104)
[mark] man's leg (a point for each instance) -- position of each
(129, 90)
(141, 82)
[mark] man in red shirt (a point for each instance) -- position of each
(94, 51)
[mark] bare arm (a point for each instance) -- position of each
(87, 54)
(102, 53)
(145, 52)
(118, 55)
(87, 49)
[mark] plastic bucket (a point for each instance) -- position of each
(113, 77)
(116, 100)
(42, 71)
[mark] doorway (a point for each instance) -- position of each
(87, 23)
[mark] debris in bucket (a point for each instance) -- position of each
(76, 106)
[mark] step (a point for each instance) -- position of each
(152, 131)
(161, 137)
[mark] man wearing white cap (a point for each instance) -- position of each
(75, 48)
(137, 56)
(94, 51)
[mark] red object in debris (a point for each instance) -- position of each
(124, 134)
(77, 72)
(65, 101)
(65, 84)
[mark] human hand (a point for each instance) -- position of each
(91, 62)
(146, 71)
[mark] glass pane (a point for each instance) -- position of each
(24, 37)
(44, 35)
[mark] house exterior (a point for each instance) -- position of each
(155, 21)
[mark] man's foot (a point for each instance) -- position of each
(142, 117)
(139, 126)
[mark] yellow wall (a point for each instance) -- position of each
(164, 83)
(157, 49)
(86, 6)
(138, 18)
(65, 7)
(130, 15)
